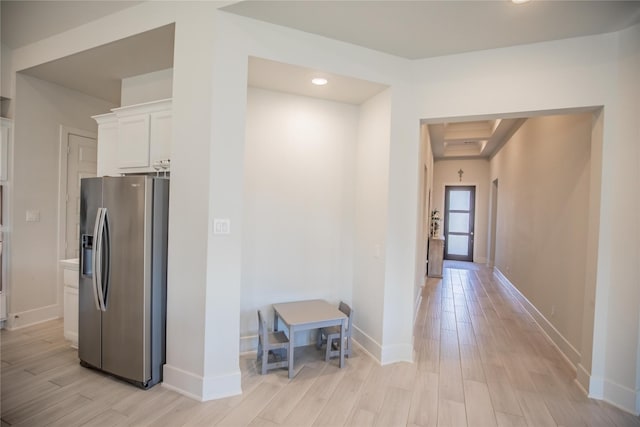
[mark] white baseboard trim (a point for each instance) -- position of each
(564, 346)
(201, 388)
(248, 343)
(32, 317)
(396, 353)
(621, 397)
(583, 378)
(368, 344)
(222, 386)
(416, 307)
(596, 388)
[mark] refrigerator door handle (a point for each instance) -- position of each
(106, 257)
(95, 258)
(99, 268)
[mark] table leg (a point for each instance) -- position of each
(342, 332)
(290, 355)
(275, 321)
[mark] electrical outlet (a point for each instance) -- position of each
(221, 226)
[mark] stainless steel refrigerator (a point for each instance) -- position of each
(123, 273)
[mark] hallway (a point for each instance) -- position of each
(480, 361)
(493, 362)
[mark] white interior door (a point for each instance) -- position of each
(81, 163)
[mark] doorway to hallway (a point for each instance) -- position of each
(459, 215)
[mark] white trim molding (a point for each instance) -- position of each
(568, 351)
(396, 353)
(201, 388)
(368, 344)
(23, 319)
(620, 396)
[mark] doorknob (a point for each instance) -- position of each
(471, 233)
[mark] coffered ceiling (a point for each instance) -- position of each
(471, 139)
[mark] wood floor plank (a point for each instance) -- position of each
(279, 408)
(563, 412)
(534, 410)
(471, 363)
(372, 394)
(362, 418)
(451, 414)
(480, 411)
(340, 405)
(510, 420)
(593, 414)
(108, 418)
(54, 412)
(479, 360)
(504, 398)
(424, 404)
(251, 406)
(395, 408)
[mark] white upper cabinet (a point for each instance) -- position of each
(135, 138)
(107, 144)
(160, 150)
(133, 141)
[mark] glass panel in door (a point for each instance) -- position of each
(458, 222)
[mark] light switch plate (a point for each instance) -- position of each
(221, 226)
(32, 215)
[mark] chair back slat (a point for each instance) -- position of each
(262, 326)
(344, 307)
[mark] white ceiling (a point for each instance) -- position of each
(289, 78)
(409, 29)
(26, 21)
(99, 71)
(421, 29)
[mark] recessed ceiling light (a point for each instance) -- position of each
(520, 1)
(319, 81)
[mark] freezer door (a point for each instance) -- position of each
(127, 296)
(89, 317)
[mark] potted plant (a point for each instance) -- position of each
(435, 223)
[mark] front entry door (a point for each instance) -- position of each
(458, 222)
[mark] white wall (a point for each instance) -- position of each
(543, 175)
(209, 111)
(621, 204)
(425, 195)
(41, 108)
(476, 173)
(298, 204)
(372, 169)
(147, 87)
(580, 72)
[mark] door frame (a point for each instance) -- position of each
(475, 204)
(63, 143)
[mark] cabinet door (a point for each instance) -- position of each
(71, 314)
(108, 149)
(160, 136)
(133, 141)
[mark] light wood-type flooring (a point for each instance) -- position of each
(479, 361)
